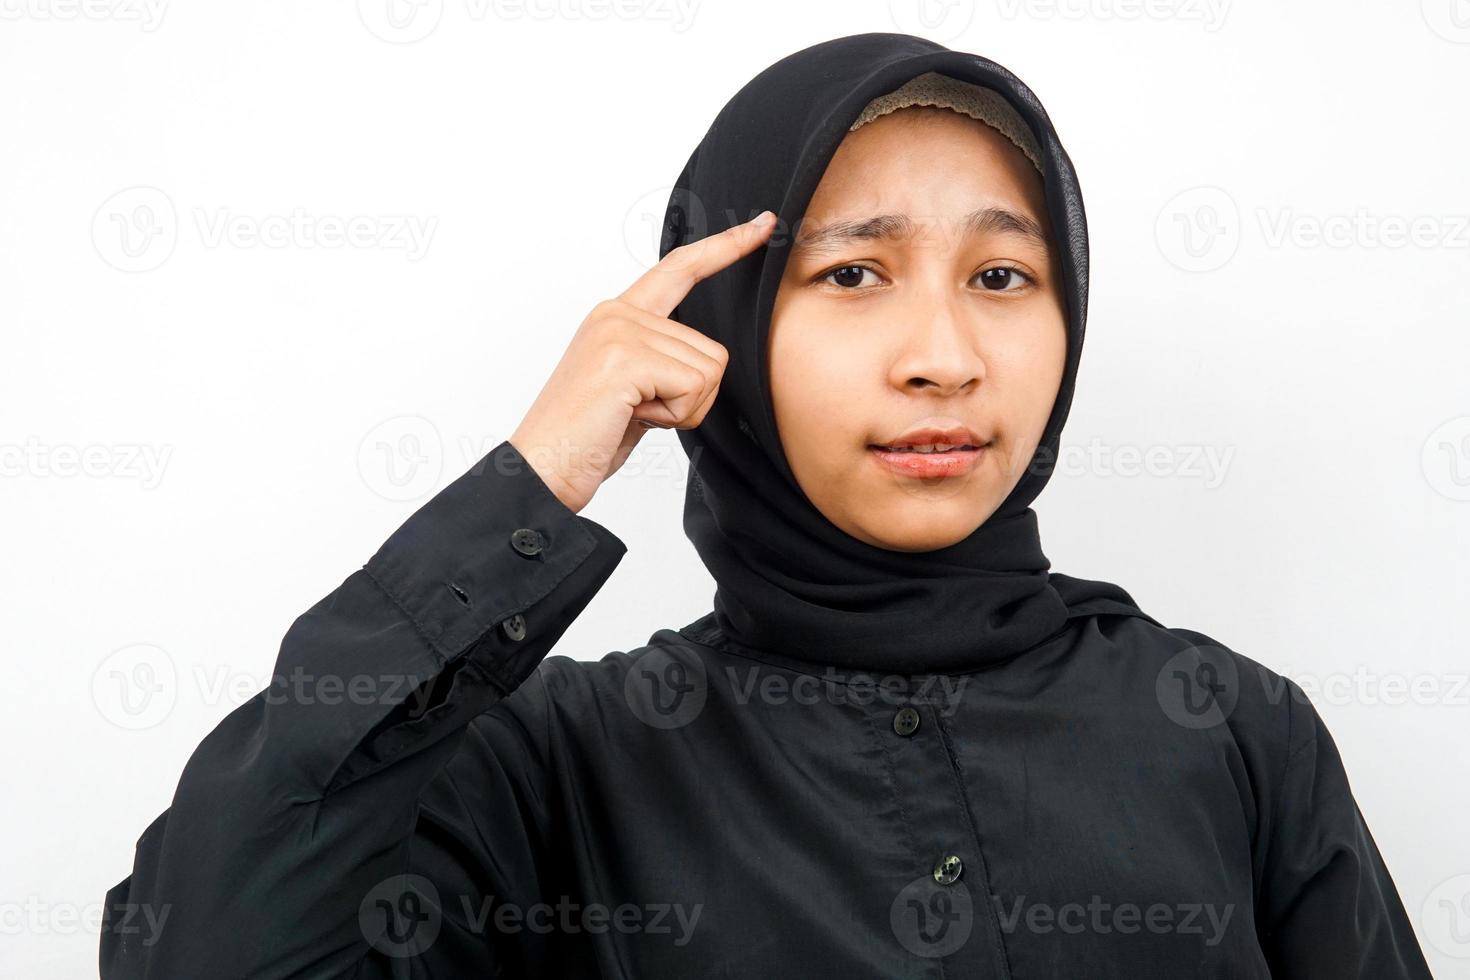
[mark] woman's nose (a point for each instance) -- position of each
(938, 346)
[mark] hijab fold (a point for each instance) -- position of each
(788, 581)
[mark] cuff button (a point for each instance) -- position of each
(527, 541)
(514, 627)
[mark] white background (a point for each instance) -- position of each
(231, 397)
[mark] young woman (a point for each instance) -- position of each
(897, 746)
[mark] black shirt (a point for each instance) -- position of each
(423, 792)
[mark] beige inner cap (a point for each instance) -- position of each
(975, 101)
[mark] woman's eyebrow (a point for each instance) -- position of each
(982, 221)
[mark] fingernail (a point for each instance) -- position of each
(760, 219)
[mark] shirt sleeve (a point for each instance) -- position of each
(286, 849)
(1329, 908)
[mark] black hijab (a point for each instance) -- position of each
(789, 581)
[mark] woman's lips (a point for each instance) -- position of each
(928, 465)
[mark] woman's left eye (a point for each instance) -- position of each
(1003, 279)
(848, 276)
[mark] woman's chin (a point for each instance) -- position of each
(913, 525)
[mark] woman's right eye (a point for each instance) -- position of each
(847, 276)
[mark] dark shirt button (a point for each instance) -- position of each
(515, 627)
(527, 541)
(906, 721)
(947, 870)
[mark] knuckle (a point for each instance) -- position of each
(695, 380)
(682, 259)
(616, 355)
(608, 309)
(594, 321)
(608, 326)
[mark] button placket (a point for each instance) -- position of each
(936, 805)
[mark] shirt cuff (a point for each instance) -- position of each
(484, 550)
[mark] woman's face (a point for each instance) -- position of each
(920, 319)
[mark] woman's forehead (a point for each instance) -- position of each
(925, 162)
